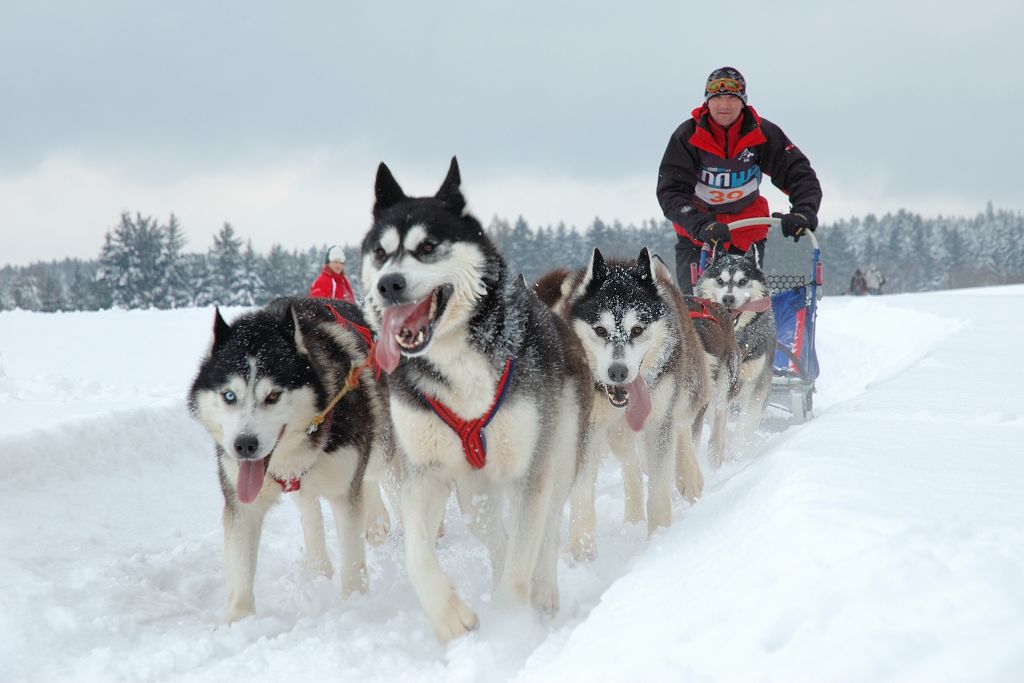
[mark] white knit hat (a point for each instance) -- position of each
(336, 253)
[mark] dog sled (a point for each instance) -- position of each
(795, 309)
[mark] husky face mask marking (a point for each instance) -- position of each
(247, 403)
(423, 270)
(733, 280)
(618, 316)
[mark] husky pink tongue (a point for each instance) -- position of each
(639, 406)
(250, 479)
(411, 317)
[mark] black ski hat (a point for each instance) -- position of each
(726, 81)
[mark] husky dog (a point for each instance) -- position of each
(738, 284)
(714, 325)
(650, 380)
(486, 393)
(266, 379)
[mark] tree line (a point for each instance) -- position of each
(143, 263)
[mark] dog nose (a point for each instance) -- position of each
(246, 445)
(728, 300)
(618, 372)
(391, 287)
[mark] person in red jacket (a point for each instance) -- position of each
(711, 173)
(331, 283)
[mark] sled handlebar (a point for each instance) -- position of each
(772, 222)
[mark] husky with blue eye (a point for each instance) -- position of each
(488, 393)
(289, 399)
(650, 381)
(738, 284)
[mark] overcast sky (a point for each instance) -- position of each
(273, 116)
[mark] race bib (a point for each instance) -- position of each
(722, 186)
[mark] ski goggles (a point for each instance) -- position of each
(724, 85)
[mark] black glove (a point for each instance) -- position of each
(704, 227)
(794, 224)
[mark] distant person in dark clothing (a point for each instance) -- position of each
(711, 173)
(331, 283)
(858, 285)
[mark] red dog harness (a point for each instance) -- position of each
(704, 313)
(470, 432)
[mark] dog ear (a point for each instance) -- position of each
(386, 189)
(291, 321)
(644, 269)
(450, 193)
(597, 271)
(221, 330)
(753, 256)
(661, 269)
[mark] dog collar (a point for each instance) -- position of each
(290, 485)
(470, 432)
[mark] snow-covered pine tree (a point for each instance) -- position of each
(175, 288)
(224, 269)
(251, 290)
(131, 261)
(279, 276)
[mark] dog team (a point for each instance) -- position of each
(456, 375)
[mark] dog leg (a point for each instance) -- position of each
(582, 516)
(529, 508)
(544, 591)
(378, 524)
(423, 502)
(716, 442)
(661, 447)
(481, 505)
(313, 533)
(350, 519)
(697, 429)
(753, 396)
(689, 479)
(632, 481)
(243, 524)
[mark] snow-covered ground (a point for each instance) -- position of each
(883, 540)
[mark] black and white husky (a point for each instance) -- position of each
(650, 379)
(486, 393)
(738, 284)
(261, 391)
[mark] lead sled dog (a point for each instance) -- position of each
(650, 381)
(486, 394)
(266, 377)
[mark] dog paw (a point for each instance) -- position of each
(320, 566)
(583, 548)
(377, 530)
(544, 597)
(633, 513)
(457, 621)
(237, 612)
(660, 517)
(716, 457)
(690, 485)
(354, 581)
